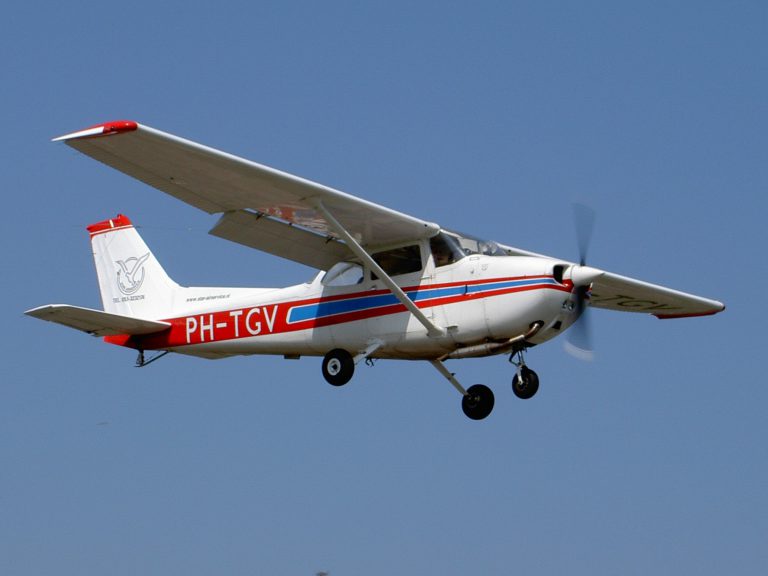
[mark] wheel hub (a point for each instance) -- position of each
(334, 367)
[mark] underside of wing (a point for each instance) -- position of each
(615, 292)
(268, 202)
(96, 322)
(278, 237)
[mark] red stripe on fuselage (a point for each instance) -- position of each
(268, 319)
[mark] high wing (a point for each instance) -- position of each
(261, 207)
(623, 294)
(96, 322)
(294, 218)
(615, 292)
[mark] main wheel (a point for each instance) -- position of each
(478, 402)
(338, 367)
(526, 386)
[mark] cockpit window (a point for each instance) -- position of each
(399, 260)
(445, 249)
(472, 245)
(343, 274)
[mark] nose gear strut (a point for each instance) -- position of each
(525, 382)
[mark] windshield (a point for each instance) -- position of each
(473, 245)
(445, 249)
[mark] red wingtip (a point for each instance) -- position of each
(106, 129)
(120, 221)
(694, 315)
(119, 126)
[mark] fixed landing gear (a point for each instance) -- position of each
(338, 367)
(339, 364)
(525, 383)
(478, 402)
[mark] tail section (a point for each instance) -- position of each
(131, 280)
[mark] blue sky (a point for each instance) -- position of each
(490, 118)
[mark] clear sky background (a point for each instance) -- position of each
(489, 117)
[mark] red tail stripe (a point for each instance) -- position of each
(121, 221)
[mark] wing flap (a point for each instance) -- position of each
(96, 322)
(215, 181)
(281, 239)
(615, 292)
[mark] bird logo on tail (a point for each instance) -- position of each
(130, 275)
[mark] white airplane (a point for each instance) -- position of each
(390, 285)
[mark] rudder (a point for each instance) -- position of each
(131, 280)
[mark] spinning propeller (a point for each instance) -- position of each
(579, 341)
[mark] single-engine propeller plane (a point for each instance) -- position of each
(390, 285)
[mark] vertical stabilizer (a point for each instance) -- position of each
(131, 280)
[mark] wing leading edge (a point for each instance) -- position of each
(623, 294)
(278, 208)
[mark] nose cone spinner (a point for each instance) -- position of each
(584, 275)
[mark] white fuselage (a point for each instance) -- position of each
(478, 299)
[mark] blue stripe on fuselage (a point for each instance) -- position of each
(361, 303)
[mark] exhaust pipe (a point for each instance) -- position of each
(488, 348)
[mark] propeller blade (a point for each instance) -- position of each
(584, 220)
(579, 336)
(585, 354)
(579, 339)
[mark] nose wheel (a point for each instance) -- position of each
(525, 383)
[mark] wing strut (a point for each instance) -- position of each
(432, 330)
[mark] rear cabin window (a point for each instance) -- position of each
(343, 274)
(399, 260)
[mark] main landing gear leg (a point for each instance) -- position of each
(477, 400)
(525, 383)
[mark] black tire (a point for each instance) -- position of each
(526, 387)
(338, 367)
(478, 402)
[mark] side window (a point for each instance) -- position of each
(343, 274)
(445, 249)
(400, 260)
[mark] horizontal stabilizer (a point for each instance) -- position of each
(96, 322)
